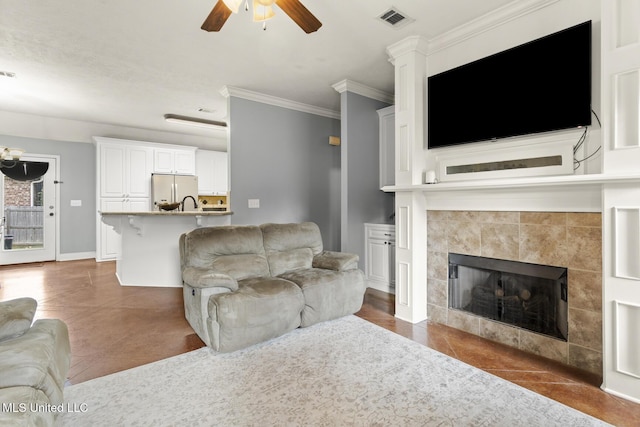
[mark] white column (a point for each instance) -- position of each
(409, 59)
(621, 202)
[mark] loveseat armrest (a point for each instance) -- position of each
(338, 261)
(207, 278)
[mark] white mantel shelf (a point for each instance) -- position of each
(522, 183)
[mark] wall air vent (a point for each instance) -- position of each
(8, 74)
(395, 18)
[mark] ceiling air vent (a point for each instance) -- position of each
(395, 18)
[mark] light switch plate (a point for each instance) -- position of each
(254, 203)
(76, 203)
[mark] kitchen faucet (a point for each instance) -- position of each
(195, 205)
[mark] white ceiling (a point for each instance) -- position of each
(129, 62)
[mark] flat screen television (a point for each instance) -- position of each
(543, 85)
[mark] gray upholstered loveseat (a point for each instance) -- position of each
(34, 361)
(248, 284)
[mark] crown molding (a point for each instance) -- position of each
(417, 44)
(228, 91)
(364, 90)
(489, 21)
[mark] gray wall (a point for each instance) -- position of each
(283, 158)
(77, 172)
(362, 199)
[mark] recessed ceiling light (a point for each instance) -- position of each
(8, 74)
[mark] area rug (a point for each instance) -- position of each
(346, 372)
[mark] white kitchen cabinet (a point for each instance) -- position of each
(380, 249)
(212, 170)
(174, 161)
(386, 118)
(125, 171)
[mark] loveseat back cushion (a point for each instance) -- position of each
(233, 250)
(16, 316)
(291, 247)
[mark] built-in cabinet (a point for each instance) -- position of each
(380, 248)
(386, 118)
(124, 181)
(181, 161)
(212, 171)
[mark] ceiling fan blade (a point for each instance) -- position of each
(300, 15)
(218, 16)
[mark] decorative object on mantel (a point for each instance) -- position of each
(13, 167)
(262, 12)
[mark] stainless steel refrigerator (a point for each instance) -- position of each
(166, 188)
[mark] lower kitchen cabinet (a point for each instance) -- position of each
(380, 250)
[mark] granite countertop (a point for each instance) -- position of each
(170, 213)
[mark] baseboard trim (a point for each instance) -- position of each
(73, 256)
(381, 286)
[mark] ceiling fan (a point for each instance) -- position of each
(262, 10)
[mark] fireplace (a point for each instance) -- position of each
(571, 240)
(524, 295)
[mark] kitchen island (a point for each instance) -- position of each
(149, 254)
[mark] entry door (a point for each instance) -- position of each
(28, 212)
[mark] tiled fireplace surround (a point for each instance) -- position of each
(563, 239)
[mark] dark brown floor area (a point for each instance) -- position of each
(113, 328)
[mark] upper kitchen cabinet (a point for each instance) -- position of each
(125, 170)
(386, 117)
(212, 169)
(180, 161)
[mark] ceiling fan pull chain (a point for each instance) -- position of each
(246, 6)
(264, 25)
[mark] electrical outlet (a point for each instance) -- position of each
(254, 203)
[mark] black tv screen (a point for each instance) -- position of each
(540, 86)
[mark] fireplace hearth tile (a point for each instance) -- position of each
(585, 358)
(501, 333)
(543, 218)
(437, 236)
(585, 290)
(437, 314)
(437, 266)
(543, 244)
(438, 290)
(585, 248)
(584, 219)
(463, 237)
(590, 337)
(499, 217)
(500, 241)
(543, 346)
(463, 321)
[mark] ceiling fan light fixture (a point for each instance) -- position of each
(233, 5)
(7, 153)
(262, 12)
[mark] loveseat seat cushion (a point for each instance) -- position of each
(23, 404)
(236, 251)
(291, 246)
(328, 294)
(39, 358)
(262, 308)
(16, 316)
